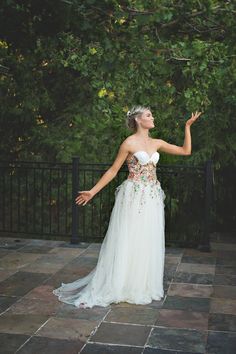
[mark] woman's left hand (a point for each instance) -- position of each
(194, 117)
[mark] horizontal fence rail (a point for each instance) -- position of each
(35, 198)
(39, 198)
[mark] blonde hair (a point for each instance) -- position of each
(135, 112)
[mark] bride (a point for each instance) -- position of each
(130, 264)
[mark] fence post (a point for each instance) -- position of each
(205, 244)
(75, 188)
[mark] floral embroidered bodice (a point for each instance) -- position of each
(143, 178)
(142, 167)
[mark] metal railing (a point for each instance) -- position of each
(37, 198)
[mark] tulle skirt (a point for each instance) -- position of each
(130, 264)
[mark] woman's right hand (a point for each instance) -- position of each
(84, 197)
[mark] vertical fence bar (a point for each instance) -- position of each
(75, 188)
(205, 242)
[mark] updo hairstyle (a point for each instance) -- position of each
(135, 112)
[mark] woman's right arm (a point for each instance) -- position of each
(85, 196)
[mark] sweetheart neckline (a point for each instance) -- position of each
(156, 152)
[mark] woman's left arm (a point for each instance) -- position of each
(186, 148)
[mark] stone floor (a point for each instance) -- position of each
(197, 314)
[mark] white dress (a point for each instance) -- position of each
(130, 264)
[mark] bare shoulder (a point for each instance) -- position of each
(128, 143)
(158, 143)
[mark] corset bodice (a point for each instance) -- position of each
(142, 167)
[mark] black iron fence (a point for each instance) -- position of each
(37, 198)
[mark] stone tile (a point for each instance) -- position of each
(116, 333)
(226, 306)
(225, 279)
(226, 261)
(199, 259)
(50, 243)
(11, 342)
(95, 245)
(224, 291)
(71, 252)
(21, 283)
(82, 245)
(196, 268)
(190, 290)
(222, 322)
(196, 253)
(169, 272)
(67, 276)
(12, 243)
(4, 252)
(81, 261)
(182, 319)
(166, 285)
(97, 313)
(16, 260)
(174, 250)
(67, 328)
(178, 339)
(192, 278)
(48, 263)
(95, 348)
(37, 345)
(13, 239)
(7, 301)
(187, 303)
(226, 254)
(4, 274)
(144, 315)
(41, 292)
(149, 350)
(127, 305)
(226, 269)
(221, 342)
(41, 267)
(170, 259)
(34, 307)
(21, 324)
(36, 249)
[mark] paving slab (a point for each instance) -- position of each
(197, 314)
(193, 341)
(21, 324)
(67, 328)
(221, 342)
(193, 278)
(222, 305)
(182, 319)
(95, 348)
(116, 333)
(11, 342)
(187, 303)
(144, 315)
(222, 322)
(43, 345)
(21, 283)
(190, 290)
(7, 301)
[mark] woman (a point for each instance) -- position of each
(130, 265)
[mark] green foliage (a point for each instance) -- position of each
(76, 67)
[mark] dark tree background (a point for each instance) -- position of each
(71, 69)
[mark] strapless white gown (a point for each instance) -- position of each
(130, 264)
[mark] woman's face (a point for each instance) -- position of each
(146, 120)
